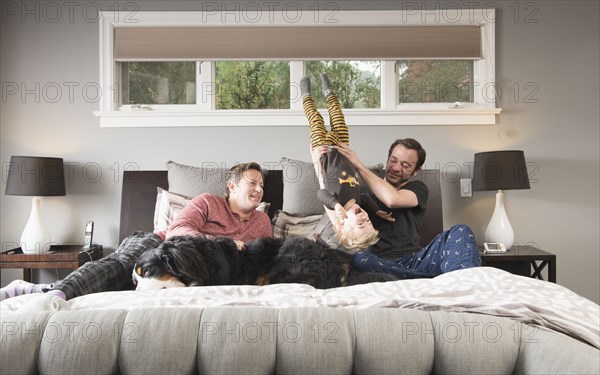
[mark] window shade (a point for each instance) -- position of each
(297, 43)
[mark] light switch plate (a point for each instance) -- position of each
(465, 187)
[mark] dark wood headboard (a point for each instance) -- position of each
(138, 200)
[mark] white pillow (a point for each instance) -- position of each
(286, 225)
(168, 207)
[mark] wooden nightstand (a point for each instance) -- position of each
(522, 260)
(63, 256)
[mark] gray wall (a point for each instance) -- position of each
(550, 47)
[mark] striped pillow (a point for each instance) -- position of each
(286, 225)
(168, 207)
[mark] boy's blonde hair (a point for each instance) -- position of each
(359, 243)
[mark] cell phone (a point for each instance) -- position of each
(89, 233)
(494, 247)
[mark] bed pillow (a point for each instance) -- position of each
(192, 181)
(326, 232)
(286, 225)
(300, 187)
(168, 207)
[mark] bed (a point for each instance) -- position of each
(482, 320)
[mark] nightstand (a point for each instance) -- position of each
(59, 256)
(522, 260)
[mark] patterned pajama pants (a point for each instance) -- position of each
(109, 273)
(451, 250)
(319, 135)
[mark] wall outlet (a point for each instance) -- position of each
(465, 187)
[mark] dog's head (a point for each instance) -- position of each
(173, 264)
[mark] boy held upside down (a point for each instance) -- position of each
(347, 208)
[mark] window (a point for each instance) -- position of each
(201, 70)
(357, 84)
(252, 85)
(159, 82)
(435, 81)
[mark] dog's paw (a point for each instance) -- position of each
(44, 302)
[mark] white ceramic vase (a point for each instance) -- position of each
(499, 229)
(36, 237)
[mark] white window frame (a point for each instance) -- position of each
(482, 111)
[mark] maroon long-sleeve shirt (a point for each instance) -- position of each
(209, 216)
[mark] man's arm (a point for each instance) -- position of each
(384, 191)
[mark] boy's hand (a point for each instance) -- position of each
(385, 215)
(240, 245)
(340, 212)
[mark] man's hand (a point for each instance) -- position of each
(385, 215)
(241, 246)
(349, 153)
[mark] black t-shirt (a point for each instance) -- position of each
(402, 236)
(341, 183)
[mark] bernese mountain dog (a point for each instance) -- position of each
(197, 261)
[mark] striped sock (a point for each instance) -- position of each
(57, 293)
(19, 287)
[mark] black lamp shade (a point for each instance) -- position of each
(500, 170)
(35, 176)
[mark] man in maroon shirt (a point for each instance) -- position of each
(233, 216)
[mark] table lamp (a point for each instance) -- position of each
(36, 177)
(500, 170)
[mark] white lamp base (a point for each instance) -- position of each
(36, 237)
(499, 229)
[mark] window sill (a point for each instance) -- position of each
(151, 119)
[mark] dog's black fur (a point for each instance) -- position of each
(301, 260)
(201, 261)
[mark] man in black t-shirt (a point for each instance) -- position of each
(398, 251)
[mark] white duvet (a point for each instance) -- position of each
(481, 290)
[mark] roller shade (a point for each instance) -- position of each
(297, 43)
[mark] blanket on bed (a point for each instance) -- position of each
(483, 290)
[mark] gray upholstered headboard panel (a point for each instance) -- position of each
(138, 200)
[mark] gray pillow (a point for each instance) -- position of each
(300, 187)
(192, 181)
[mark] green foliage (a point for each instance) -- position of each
(249, 84)
(252, 85)
(435, 81)
(159, 82)
(354, 87)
